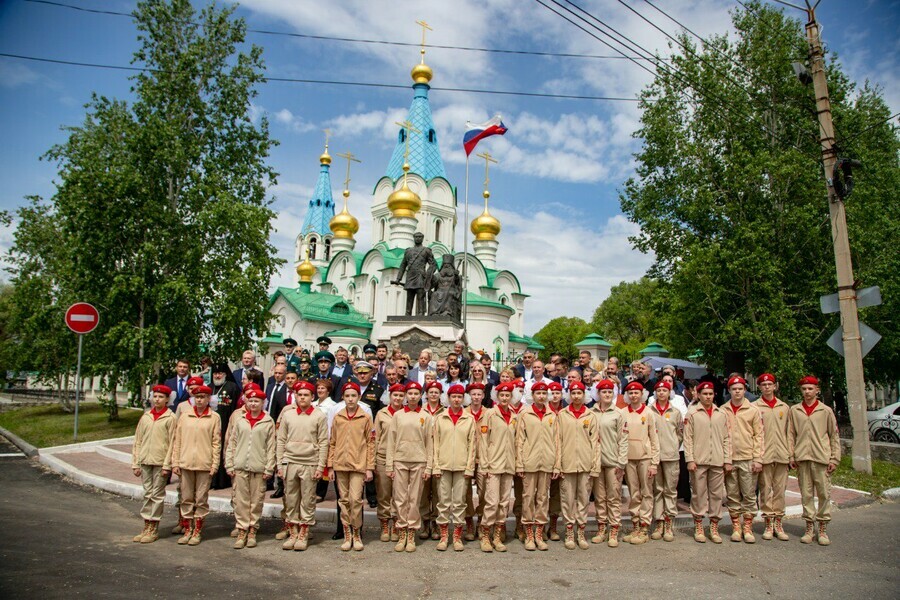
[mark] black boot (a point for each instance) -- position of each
(279, 488)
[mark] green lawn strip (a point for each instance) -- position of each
(45, 426)
(884, 476)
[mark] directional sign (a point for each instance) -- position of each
(870, 296)
(869, 336)
(82, 318)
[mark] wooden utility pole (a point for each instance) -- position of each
(856, 385)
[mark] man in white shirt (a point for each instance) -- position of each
(417, 373)
(537, 371)
(340, 363)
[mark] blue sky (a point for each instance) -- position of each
(561, 164)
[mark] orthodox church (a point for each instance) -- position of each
(346, 293)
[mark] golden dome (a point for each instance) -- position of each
(404, 202)
(306, 270)
(486, 226)
(344, 225)
(421, 73)
(325, 158)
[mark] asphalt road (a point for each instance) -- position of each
(61, 540)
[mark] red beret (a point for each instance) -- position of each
(809, 380)
(737, 380)
(634, 385)
(350, 385)
(540, 386)
(195, 380)
(506, 386)
(705, 385)
(606, 384)
(203, 389)
(555, 387)
(256, 394)
(434, 384)
(475, 385)
(397, 387)
(456, 389)
(413, 385)
(304, 385)
(250, 385)
(577, 385)
(162, 389)
(765, 377)
(519, 383)
(662, 383)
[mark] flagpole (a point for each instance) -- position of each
(465, 252)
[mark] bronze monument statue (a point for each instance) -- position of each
(445, 294)
(415, 265)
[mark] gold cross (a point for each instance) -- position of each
(408, 127)
(350, 159)
(327, 136)
(425, 26)
(488, 159)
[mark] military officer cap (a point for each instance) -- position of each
(304, 359)
(292, 369)
(289, 342)
(370, 348)
(363, 366)
(323, 339)
(325, 355)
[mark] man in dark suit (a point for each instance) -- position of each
(524, 370)
(325, 360)
(492, 376)
(417, 373)
(276, 400)
(248, 360)
(178, 384)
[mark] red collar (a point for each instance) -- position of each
(540, 412)
(577, 413)
(391, 410)
(205, 412)
(157, 415)
(432, 412)
(454, 416)
(638, 411)
(516, 410)
(772, 403)
(809, 409)
(253, 421)
(661, 410)
(353, 416)
(709, 411)
(477, 415)
(735, 409)
(308, 411)
(557, 409)
(506, 414)
(418, 408)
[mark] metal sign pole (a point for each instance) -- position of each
(78, 384)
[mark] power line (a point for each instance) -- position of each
(330, 82)
(357, 40)
(881, 122)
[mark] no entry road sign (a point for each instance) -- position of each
(82, 318)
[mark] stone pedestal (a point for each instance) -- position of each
(414, 334)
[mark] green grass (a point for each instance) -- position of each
(45, 426)
(884, 476)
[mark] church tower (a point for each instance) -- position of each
(315, 237)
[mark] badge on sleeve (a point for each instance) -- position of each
(484, 429)
(421, 420)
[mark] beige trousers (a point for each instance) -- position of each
(772, 484)
(451, 504)
(555, 502)
(351, 484)
(249, 493)
(814, 483)
(640, 490)
(608, 496)
(428, 499)
(575, 493)
(195, 493)
(665, 492)
(536, 498)
(154, 492)
(496, 498)
(473, 509)
(740, 488)
(300, 494)
(406, 491)
(383, 490)
(707, 492)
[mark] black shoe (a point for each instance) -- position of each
(279, 493)
(373, 503)
(338, 535)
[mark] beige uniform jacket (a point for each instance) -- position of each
(746, 428)
(707, 440)
(612, 435)
(352, 444)
(480, 429)
(643, 442)
(410, 439)
(537, 442)
(252, 448)
(302, 437)
(579, 445)
(669, 430)
(153, 441)
(382, 427)
(776, 425)
(498, 455)
(815, 437)
(198, 441)
(454, 444)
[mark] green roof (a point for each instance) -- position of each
(473, 299)
(326, 308)
(347, 333)
(594, 339)
(653, 347)
(358, 258)
(272, 338)
(530, 342)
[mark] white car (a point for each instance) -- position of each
(884, 424)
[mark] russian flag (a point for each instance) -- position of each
(476, 133)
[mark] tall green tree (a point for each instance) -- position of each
(631, 313)
(560, 335)
(160, 216)
(730, 198)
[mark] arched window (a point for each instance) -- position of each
(382, 237)
(344, 268)
(437, 230)
(327, 249)
(432, 136)
(402, 135)
(373, 291)
(319, 202)
(504, 301)
(312, 248)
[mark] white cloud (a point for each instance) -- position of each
(13, 73)
(293, 122)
